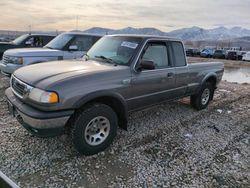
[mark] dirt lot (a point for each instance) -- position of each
(227, 63)
(170, 145)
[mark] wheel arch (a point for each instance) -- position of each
(114, 100)
(211, 78)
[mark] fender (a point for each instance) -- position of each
(122, 115)
(42, 60)
(36, 62)
(209, 75)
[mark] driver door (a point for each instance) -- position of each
(151, 86)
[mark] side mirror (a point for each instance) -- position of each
(73, 48)
(146, 65)
(28, 43)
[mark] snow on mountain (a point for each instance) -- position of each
(145, 31)
(193, 33)
(127, 30)
(99, 30)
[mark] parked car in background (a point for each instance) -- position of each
(240, 54)
(24, 41)
(219, 54)
(208, 53)
(92, 96)
(69, 45)
(246, 56)
(193, 52)
(231, 55)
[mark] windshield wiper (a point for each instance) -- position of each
(109, 60)
(48, 47)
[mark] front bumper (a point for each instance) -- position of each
(39, 123)
(9, 68)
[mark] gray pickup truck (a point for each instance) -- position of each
(92, 96)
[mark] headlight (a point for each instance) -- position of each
(16, 60)
(41, 96)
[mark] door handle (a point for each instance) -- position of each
(170, 75)
(126, 81)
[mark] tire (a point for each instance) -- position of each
(201, 100)
(93, 128)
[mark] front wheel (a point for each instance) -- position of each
(94, 128)
(201, 100)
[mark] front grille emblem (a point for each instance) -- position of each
(20, 88)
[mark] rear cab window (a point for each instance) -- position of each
(178, 55)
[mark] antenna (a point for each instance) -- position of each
(77, 22)
(29, 29)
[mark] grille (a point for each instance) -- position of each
(6, 59)
(18, 87)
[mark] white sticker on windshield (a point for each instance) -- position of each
(129, 44)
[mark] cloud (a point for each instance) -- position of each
(163, 14)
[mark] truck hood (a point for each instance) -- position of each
(5, 43)
(5, 46)
(45, 74)
(33, 52)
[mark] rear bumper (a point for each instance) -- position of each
(9, 68)
(39, 123)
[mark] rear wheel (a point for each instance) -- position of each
(201, 100)
(94, 128)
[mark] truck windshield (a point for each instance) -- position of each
(19, 40)
(59, 42)
(115, 49)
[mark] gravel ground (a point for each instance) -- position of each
(170, 145)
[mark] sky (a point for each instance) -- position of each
(166, 15)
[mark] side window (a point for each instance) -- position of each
(29, 41)
(46, 40)
(178, 52)
(158, 53)
(95, 39)
(83, 43)
(35, 41)
(38, 41)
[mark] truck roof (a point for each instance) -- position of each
(83, 33)
(41, 34)
(146, 36)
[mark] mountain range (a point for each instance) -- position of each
(186, 34)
